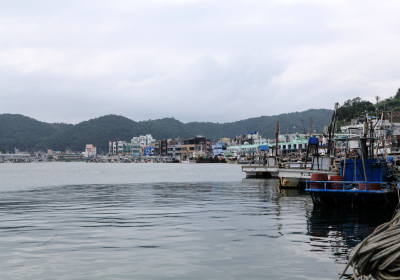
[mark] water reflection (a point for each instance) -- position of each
(338, 230)
(332, 230)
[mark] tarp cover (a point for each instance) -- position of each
(264, 147)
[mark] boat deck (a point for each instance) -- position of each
(260, 171)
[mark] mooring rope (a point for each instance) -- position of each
(378, 256)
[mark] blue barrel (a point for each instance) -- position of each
(390, 159)
(313, 141)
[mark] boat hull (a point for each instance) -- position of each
(356, 199)
(292, 178)
(211, 160)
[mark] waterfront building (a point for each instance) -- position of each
(251, 138)
(174, 148)
(113, 147)
(69, 157)
(163, 147)
(244, 149)
(199, 145)
(157, 147)
(134, 147)
(90, 151)
(143, 140)
(220, 148)
(122, 147)
(225, 140)
(289, 143)
(160, 147)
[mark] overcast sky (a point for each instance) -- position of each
(219, 61)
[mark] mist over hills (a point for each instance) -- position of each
(24, 133)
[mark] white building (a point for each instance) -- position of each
(143, 140)
(90, 151)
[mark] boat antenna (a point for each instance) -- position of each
(304, 129)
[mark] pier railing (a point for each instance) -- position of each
(347, 186)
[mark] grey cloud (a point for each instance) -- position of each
(194, 60)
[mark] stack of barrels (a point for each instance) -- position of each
(338, 185)
(324, 177)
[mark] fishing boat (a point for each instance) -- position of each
(361, 183)
(367, 178)
(210, 159)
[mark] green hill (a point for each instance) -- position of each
(18, 131)
(354, 108)
(26, 133)
(111, 127)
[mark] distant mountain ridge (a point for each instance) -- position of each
(18, 131)
(26, 133)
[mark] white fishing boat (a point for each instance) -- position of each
(295, 177)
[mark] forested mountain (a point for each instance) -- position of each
(356, 107)
(26, 133)
(18, 131)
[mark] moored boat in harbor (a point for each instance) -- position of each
(368, 178)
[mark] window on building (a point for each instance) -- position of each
(289, 146)
(300, 146)
(191, 148)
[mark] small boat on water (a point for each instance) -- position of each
(245, 160)
(210, 159)
(231, 160)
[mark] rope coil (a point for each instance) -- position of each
(378, 256)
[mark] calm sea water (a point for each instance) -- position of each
(167, 221)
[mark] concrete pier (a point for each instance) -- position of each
(260, 171)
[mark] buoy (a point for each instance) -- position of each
(318, 177)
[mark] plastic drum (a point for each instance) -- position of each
(336, 186)
(318, 177)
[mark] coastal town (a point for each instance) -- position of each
(281, 119)
(243, 149)
(322, 162)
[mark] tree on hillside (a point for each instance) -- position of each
(355, 107)
(397, 94)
